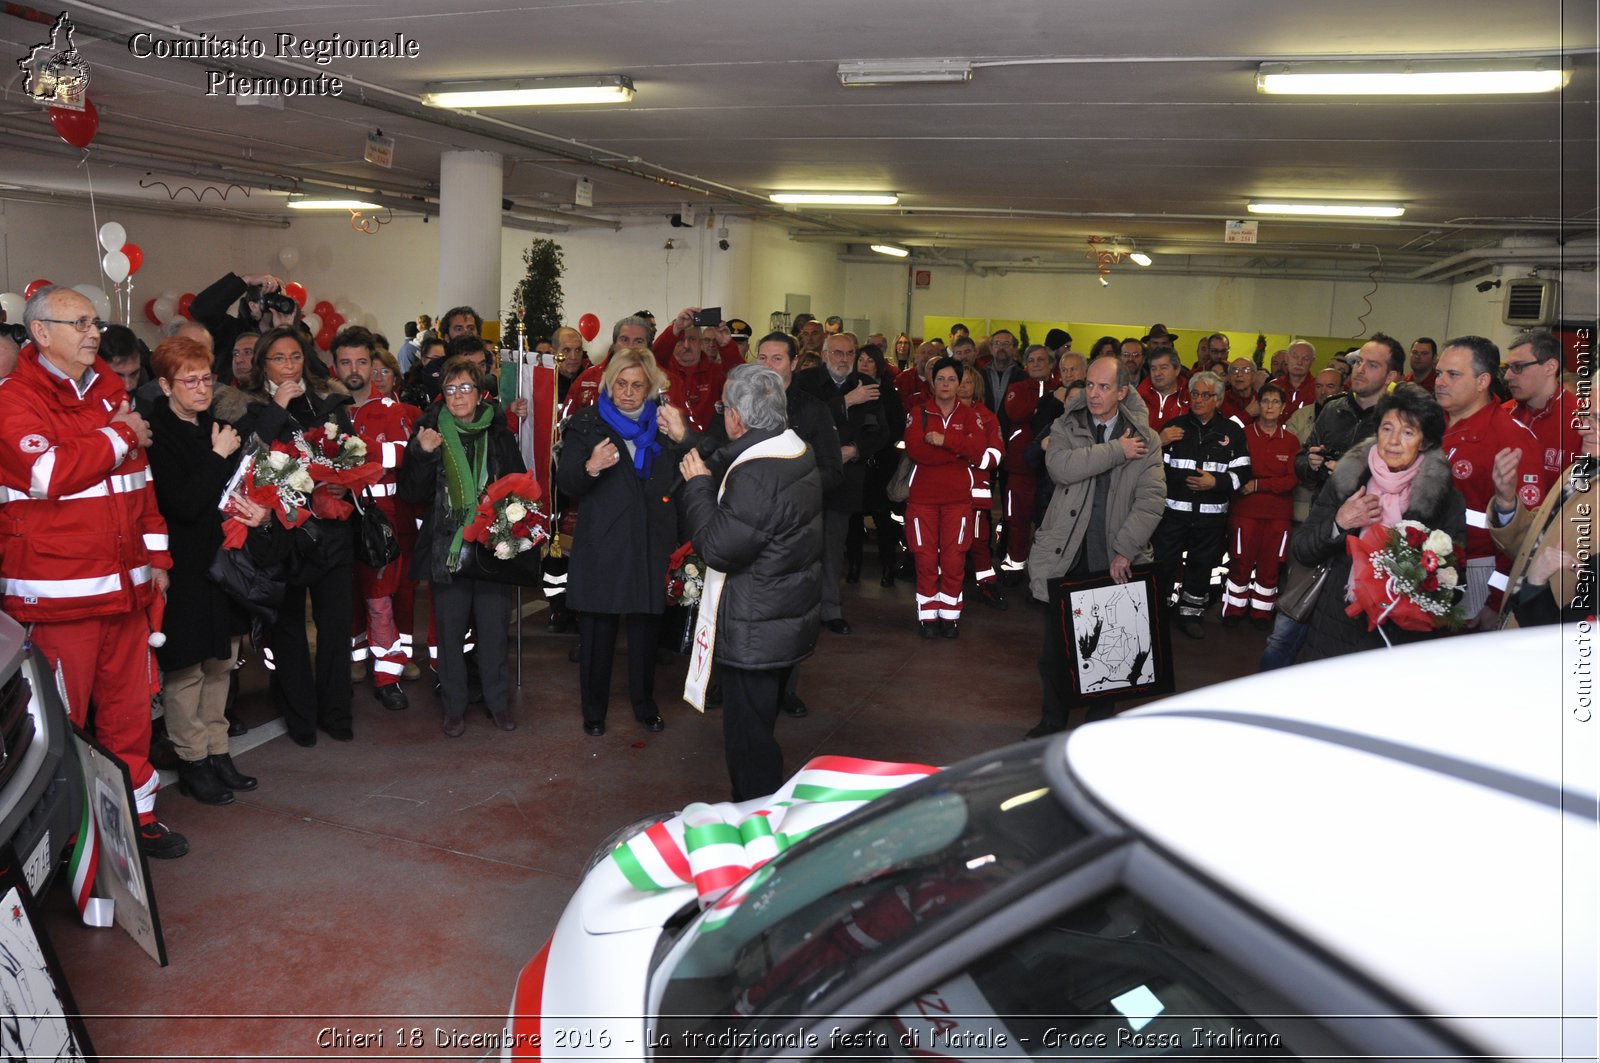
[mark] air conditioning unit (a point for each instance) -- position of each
(1531, 302)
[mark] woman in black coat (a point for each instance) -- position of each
(880, 469)
(193, 453)
(488, 451)
(617, 461)
(319, 555)
(1406, 448)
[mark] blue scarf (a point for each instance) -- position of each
(641, 433)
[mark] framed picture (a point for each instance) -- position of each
(121, 872)
(39, 1019)
(1113, 635)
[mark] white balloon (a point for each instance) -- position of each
(13, 304)
(313, 322)
(116, 265)
(288, 257)
(346, 310)
(166, 308)
(102, 303)
(113, 236)
(171, 293)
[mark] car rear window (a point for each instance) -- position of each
(894, 873)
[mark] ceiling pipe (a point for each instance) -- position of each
(1571, 255)
(1190, 270)
(1128, 217)
(143, 206)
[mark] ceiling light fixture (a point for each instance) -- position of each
(333, 204)
(890, 249)
(1138, 258)
(836, 199)
(869, 72)
(529, 92)
(1328, 210)
(1423, 77)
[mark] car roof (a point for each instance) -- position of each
(1401, 808)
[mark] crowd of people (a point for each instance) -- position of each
(976, 463)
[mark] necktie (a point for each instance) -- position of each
(1099, 433)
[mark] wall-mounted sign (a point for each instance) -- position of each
(924, 278)
(1239, 232)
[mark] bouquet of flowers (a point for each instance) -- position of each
(509, 520)
(276, 478)
(686, 576)
(1407, 574)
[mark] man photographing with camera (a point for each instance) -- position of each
(262, 307)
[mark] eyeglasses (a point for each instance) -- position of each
(1518, 368)
(286, 359)
(383, 371)
(1212, 395)
(196, 382)
(82, 324)
(460, 389)
(1241, 369)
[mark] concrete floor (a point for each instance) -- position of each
(401, 881)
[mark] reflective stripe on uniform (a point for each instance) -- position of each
(86, 587)
(1477, 518)
(153, 541)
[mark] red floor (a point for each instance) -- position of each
(399, 882)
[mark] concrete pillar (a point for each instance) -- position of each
(470, 184)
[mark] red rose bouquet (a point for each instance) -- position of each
(508, 520)
(1408, 575)
(276, 479)
(686, 576)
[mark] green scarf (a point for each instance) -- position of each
(464, 480)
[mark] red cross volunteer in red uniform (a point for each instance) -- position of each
(83, 550)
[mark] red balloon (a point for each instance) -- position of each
(135, 257)
(183, 304)
(333, 321)
(296, 291)
(33, 286)
(325, 337)
(323, 309)
(76, 127)
(150, 312)
(588, 326)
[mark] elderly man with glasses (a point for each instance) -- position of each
(84, 556)
(1205, 465)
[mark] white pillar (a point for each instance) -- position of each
(470, 184)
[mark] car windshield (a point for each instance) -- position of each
(893, 872)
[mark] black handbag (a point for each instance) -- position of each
(1301, 589)
(898, 488)
(376, 544)
(478, 562)
(257, 589)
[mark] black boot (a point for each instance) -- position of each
(852, 574)
(230, 776)
(199, 780)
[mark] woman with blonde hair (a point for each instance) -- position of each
(618, 458)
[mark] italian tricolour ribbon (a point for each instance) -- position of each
(714, 848)
(784, 445)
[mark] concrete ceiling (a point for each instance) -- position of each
(1138, 120)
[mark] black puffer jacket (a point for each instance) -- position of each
(422, 483)
(766, 535)
(1435, 502)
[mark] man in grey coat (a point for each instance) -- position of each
(760, 532)
(1109, 496)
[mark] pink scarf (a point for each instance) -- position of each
(1391, 488)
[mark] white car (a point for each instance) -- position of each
(1388, 855)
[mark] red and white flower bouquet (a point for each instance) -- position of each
(509, 520)
(1406, 574)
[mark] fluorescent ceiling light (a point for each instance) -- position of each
(530, 92)
(890, 249)
(903, 71)
(837, 199)
(1330, 210)
(1436, 77)
(1139, 258)
(333, 204)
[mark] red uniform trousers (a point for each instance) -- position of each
(106, 662)
(939, 536)
(1259, 544)
(981, 552)
(383, 628)
(1020, 489)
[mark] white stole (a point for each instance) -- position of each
(784, 445)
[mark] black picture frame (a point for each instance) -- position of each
(1116, 643)
(122, 872)
(41, 1019)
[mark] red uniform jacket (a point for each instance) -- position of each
(912, 388)
(1233, 405)
(1164, 410)
(585, 390)
(727, 355)
(1022, 398)
(983, 468)
(1272, 466)
(79, 530)
(945, 474)
(1470, 445)
(1304, 395)
(1426, 383)
(1559, 439)
(695, 389)
(386, 424)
